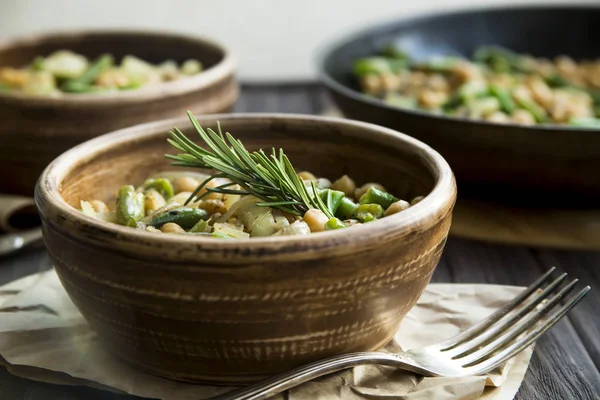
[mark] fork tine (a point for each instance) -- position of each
(508, 320)
(489, 364)
(483, 325)
(513, 332)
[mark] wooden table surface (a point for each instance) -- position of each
(566, 361)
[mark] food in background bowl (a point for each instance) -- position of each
(69, 72)
(202, 309)
(251, 195)
(35, 129)
(496, 85)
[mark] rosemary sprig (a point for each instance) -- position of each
(272, 178)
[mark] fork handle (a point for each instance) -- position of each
(279, 383)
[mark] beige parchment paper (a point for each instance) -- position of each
(44, 337)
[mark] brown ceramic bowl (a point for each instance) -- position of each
(203, 309)
(35, 130)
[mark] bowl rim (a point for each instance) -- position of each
(324, 52)
(224, 68)
(438, 202)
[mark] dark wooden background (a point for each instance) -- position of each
(566, 361)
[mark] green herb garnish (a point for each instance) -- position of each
(272, 178)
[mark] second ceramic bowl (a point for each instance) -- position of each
(35, 130)
(217, 310)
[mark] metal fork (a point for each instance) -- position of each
(478, 350)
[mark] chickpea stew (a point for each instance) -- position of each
(247, 194)
(160, 205)
(67, 72)
(495, 85)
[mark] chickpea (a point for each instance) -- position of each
(363, 189)
(171, 227)
(153, 229)
(99, 206)
(185, 184)
(566, 65)
(306, 176)
(390, 82)
(113, 78)
(345, 184)
(212, 206)
(521, 92)
(466, 72)
(212, 195)
(316, 220)
(431, 99)
(153, 201)
(371, 83)
(497, 116)
(416, 200)
(523, 117)
(438, 83)
(541, 92)
(396, 207)
(180, 197)
(13, 77)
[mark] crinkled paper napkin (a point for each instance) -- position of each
(44, 337)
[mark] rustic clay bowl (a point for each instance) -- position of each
(35, 130)
(203, 309)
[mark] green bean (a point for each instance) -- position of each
(201, 226)
(161, 185)
(376, 196)
(331, 198)
(392, 51)
(100, 65)
(471, 90)
(346, 209)
(438, 64)
(378, 65)
(130, 206)
(37, 64)
(369, 212)
(186, 217)
(454, 101)
(79, 87)
(538, 113)
(586, 123)
(398, 100)
(334, 223)
(506, 102)
(500, 59)
(595, 94)
(556, 81)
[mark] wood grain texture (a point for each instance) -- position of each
(50, 126)
(462, 261)
(200, 309)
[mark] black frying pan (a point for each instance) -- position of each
(550, 165)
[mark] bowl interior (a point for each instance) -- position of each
(151, 47)
(530, 30)
(324, 147)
